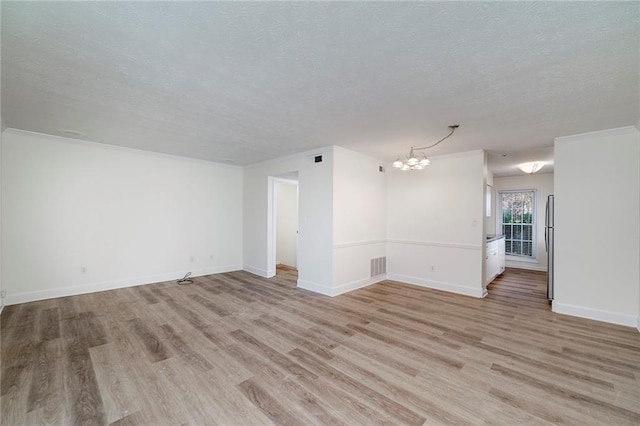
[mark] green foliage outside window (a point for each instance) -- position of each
(518, 221)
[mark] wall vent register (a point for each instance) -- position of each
(378, 266)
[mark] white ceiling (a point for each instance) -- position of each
(253, 81)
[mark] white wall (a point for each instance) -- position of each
(126, 216)
(542, 183)
(315, 216)
(597, 205)
(1, 258)
(435, 218)
(2, 129)
(287, 222)
(359, 219)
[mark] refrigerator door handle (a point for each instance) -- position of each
(546, 215)
(546, 226)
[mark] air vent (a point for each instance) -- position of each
(317, 159)
(378, 266)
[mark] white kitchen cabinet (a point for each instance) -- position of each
(502, 259)
(494, 259)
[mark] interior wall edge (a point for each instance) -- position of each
(355, 285)
(443, 244)
(348, 244)
(275, 161)
(607, 132)
(33, 296)
(125, 149)
(525, 265)
(438, 285)
(315, 287)
(594, 314)
(256, 271)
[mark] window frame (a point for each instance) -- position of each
(534, 224)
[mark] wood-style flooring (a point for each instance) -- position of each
(236, 349)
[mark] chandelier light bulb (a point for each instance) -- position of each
(412, 161)
(398, 164)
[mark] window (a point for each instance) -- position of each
(518, 221)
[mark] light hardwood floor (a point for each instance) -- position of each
(237, 349)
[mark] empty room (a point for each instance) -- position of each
(319, 213)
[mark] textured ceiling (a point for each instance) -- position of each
(254, 81)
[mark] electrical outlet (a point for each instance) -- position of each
(3, 294)
(433, 268)
(192, 259)
(83, 270)
(211, 257)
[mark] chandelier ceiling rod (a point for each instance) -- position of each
(412, 162)
(453, 128)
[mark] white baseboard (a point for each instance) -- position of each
(315, 287)
(354, 285)
(342, 288)
(594, 314)
(32, 296)
(525, 265)
(438, 285)
(257, 271)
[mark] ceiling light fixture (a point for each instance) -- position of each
(531, 167)
(413, 162)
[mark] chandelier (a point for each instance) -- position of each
(413, 162)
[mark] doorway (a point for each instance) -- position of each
(285, 222)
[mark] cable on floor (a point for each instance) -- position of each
(185, 280)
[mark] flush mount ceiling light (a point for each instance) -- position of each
(531, 167)
(413, 162)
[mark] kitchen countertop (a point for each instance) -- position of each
(493, 237)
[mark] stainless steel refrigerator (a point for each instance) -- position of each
(548, 243)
